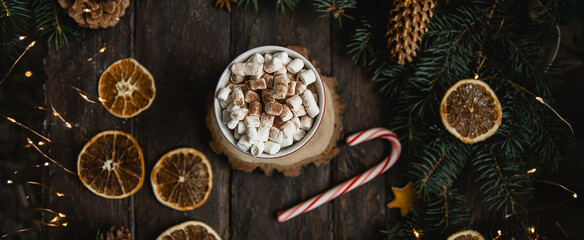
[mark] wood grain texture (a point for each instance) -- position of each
(67, 67)
(186, 44)
(185, 48)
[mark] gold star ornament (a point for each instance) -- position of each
(404, 199)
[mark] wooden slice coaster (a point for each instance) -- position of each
(320, 149)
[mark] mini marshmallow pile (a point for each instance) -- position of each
(269, 102)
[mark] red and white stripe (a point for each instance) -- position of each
(353, 182)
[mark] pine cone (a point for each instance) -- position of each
(116, 233)
(407, 24)
(95, 13)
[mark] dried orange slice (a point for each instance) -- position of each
(126, 88)
(111, 165)
(466, 235)
(189, 230)
(182, 179)
(471, 111)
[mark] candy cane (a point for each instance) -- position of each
(353, 182)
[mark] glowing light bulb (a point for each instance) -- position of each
(476, 76)
(531, 170)
(46, 164)
(87, 10)
(499, 232)
(416, 233)
(575, 195)
(532, 229)
(56, 218)
(40, 143)
(64, 224)
(68, 125)
(62, 215)
(102, 49)
(21, 37)
(28, 73)
(59, 194)
(9, 181)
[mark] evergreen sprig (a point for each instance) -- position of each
(17, 18)
(507, 49)
(335, 8)
(14, 23)
(54, 23)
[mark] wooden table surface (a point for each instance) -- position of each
(186, 44)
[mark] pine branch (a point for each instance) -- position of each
(53, 22)
(499, 182)
(14, 23)
(440, 165)
(335, 8)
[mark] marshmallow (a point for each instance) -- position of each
(232, 124)
(234, 78)
(239, 114)
(281, 71)
(284, 57)
(253, 69)
(268, 57)
(238, 69)
(269, 80)
(232, 107)
(306, 123)
(266, 120)
(294, 102)
(225, 116)
(278, 122)
(288, 129)
(307, 76)
(295, 66)
(296, 122)
(287, 141)
(271, 147)
(263, 133)
(223, 93)
(301, 111)
(255, 108)
(251, 96)
(257, 84)
(280, 87)
(226, 103)
(236, 135)
(267, 96)
(299, 135)
(273, 107)
(252, 135)
(243, 143)
(308, 98)
(238, 98)
(241, 128)
(256, 58)
(300, 87)
(291, 88)
(252, 121)
(273, 65)
(257, 148)
(276, 135)
(286, 113)
(312, 110)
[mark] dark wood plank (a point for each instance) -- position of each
(257, 198)
(86, 212)
(185, 45)
(360, 214)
